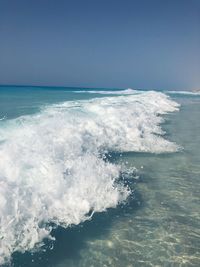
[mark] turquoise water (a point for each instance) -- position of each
(18, 101)
(157, 223)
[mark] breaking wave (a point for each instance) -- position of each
(128, 91)
(52, 166)
(184, 93)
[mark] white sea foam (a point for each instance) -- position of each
(128, 91)
(51, 168)
(184, 93)
(2, 118)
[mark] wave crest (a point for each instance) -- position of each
(52, 168)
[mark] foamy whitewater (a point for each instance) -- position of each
(128, 91)
(189, 93)
(53, 167)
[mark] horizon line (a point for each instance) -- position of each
(85, 87)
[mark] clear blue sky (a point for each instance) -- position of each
(101, 43)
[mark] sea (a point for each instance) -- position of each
(99, 177)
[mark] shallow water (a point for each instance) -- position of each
(159, 225)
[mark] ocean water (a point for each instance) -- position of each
(96, 177)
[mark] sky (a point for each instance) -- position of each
(152, 44)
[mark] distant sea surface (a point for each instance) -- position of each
(99, 177)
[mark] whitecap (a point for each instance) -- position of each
(183, 93)
(51, 164)
(128, 91)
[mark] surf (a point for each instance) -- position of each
(53, 167)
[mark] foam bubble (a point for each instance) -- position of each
(51, 164)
